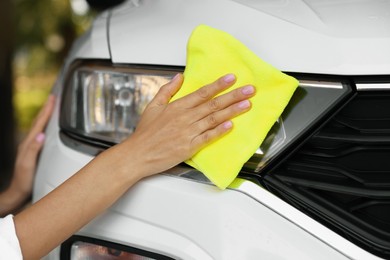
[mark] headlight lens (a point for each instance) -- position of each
(86, 251)
(86, 248)
(105, 103)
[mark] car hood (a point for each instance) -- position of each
(327, 37)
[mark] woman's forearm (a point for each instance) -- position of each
(74, 203)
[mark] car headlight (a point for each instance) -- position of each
(83, 251)
(104, 103)
(84, 248)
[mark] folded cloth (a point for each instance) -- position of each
(212, 53)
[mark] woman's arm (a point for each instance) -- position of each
(20, 187)
(168, 133)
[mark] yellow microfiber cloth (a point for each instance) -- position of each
(212, 53)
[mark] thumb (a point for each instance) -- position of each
(167, 91)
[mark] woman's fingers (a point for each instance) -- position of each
(28, 149)
(223, 101)
(42, 118)
(210, 128)
(212, 134)
(213, 120)
(216, 124)
(207, 92)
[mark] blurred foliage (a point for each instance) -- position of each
(45, 31)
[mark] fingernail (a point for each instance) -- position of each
(227, 124)
(229, 78)
(248, 90)
(175, 77)
(40, 137)
(244, 104)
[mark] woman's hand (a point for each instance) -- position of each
(26, 160)
(169, 133)
(29, 148)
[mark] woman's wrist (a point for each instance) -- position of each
(125, 159)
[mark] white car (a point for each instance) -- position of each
(317, 188)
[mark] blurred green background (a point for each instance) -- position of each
(35, 37)
(44, 32)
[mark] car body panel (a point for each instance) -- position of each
(94, 42)
(156, 32)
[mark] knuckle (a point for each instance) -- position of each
(203, 93)
(214, 104)
(206, 138)
(212, 120)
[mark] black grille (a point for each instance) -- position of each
(341, 175)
